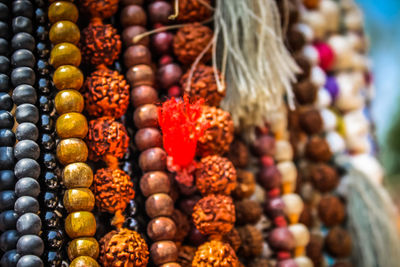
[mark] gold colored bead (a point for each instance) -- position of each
(77, 175)
(84, 246)
(68, 77)
(69, 101)
(84, 261)
(78, 199)
(80, 224)
(65, 54)
(64, 31)
(63, 10)
(72, 150)
(72, 124)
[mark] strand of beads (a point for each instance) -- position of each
(71, 127)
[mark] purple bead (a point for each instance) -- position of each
(274, 207)
(287, 263)
(332, 87)
(169, 75)
(162, 42)
(270, 177)
(159, 12)
(281, 239)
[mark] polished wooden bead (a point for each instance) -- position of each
(84, 261)
(64, 31)
(147, 138)
(155, 182)
(163, 252)
(65, 54)
(136, 55)
(143, 94)
(153, 159)
(133, 15)
(77, 174)
(69, 101)
(84, 246)
(72, 150)
(159, 205)
(68, 77)
(78, 199)
(80, 224)
(130, 32)
(72, 124)
(146, 116)
(140, 75)
(161, 228)
(62, 10)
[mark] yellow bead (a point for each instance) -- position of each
(78, 199)
(62, 10)
(72, 150)
(64, 31)
(68, 77)
(72, 124)
(65, 54)
(69, 101)
(84, 246)
(77, 175)
(84, 261)
(80, 224)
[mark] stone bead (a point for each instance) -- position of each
(78, 199)
(153, 159)
(80, 224)
(62, 10)
(72, 124)
(84, 261)
(137, 54)
(84, 246)
(155, 182)
(77, 175)
(140, 75)
(69, 101)
(65, 54)
(72, 150)
(163, 252)
(147, 138)
(146, 116)
(161, 228)
(64, 31)
(68, 77)
(159, 205)
(142, 95)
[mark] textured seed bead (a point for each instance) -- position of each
(65, 54)
(72, 125)
(64, 31)
(72, 150)
(80, 224)
(78, 199)
(68, 77)
(84, 246)
(62, 10)
(77, 175)
(69, 101)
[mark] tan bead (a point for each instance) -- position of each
(163, 252)
(65, 54)
(80, 224)
(84, 246)
(159, 205)
(153, 159)
(64, 31)
(72, 124)
(72, 150)
(140, 75)
(68, 77)
(161, 228)
(84, 261)
(77, 175)
(78, 199)
(146, 116)
(62, 10)
(69, 101)
(155, 182)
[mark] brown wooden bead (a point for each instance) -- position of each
(84, 261)
(72, 124)
(153, 159)
(72, 150)
(140, 75)
(161, 228)
(155, 182)
(77, 175)
(159, 205)
(78, 199)
(136, 55)
(69, 101)
(133, 15)
(84, 246)
(146, 116)
(163, 252)
(171, 264)
(143, 94)
(147, 138)
(80, 224)
(129, 33)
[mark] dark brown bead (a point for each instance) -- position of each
(146, 116)
(129, 33)
(245, 184)
(187, 205)
(140, 75)
(147, 138)
(305, 66)
(142, 95)
(239, 154)
(331, 210)
(163, 252)
(196, 238)
(155, 182)
(324, 177)
(342, 263)
(133, 15)
(305, 92)
(306, 217)
(315, 248)
(153, 159)
(131, 2)
(296, 39)
(317, 149)
(247, 211)
(136, 55)
(159, 205)
(264, 146)
(311, 121)
(338, 242)
(161, 228)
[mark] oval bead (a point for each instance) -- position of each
(77, 175)
(80, 224)
(84, 246)
(72, 124)
(72, 150)
(63, 10)
(69, 101)
(68, 77)
(78, 199)
(65, 54)
(140, 75)
(64, 31)
(84, 261)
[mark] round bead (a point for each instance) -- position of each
(7, 199)
(4, 64)
(26, 204)
(64, 31)
(72, 125)
(23, 58)
(133, 15)
(77, 175)
(8, 220)
(84, 261)
(51, 219)
(30, 244)
(44, 85)
(27, 113)
(159, 205)
(6, 119)
(7, 137)
(27, 168)
(146, 116)
(65, 54)
(78, 199)
(3, 46)
(30, 261)
(142, 95)
(137, 54)
(53, 239)
(4, 82)
(10, 258)
(153, 159)
(24, 94)
(50, 200)
(23, 40)
(155, 182)
(6, 101)
(163, 252)
(26, 149)
(8, 240)
(84, 246)
(140, 75)
(69, 101)
(53, 258)
(4, 12)
(80, 224)
(130, 32)
(62, 10)
(68, 77)
(27, 131)
(29, 224)
(6, 157)
(161, 228)
(22, 8)
(7, 179)
(147, 138)
(4, 33)
(72, 150)
(23, 75)
(21, 24)
(27, 187)
(159, 12)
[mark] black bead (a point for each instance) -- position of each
(6, 119)
(4, 83)
(22, 24)
(53, 239)
(27, 113)
(8, 220)
(7, 180)
(26, 204)
(30, 244)
(7, 137)
(44, 85)
(51, 219)
(40, 15)
(50, 199)
(27, 168)
(6, 158)
(4, 64)
(4, 33)
(52, 258)
(30, 261)
(7, 199)
(132, 224)
(49, 160)
(46, 103)
(27, 187)
(42, 50)
(23, 58)
(51, 180)
(26, 149)
(10, 258)
(23, 40)
(42, 67)
(3, 12)
(27, 131)
(47, 141)
(8, 240)
(24, 94)
(22, 8)
(132, 208)
(23, 75)
(6, 101)
(3, 47)
(46, 122)
(29, 224)
(41, 33)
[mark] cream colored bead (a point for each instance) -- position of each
(293, 207)
(306, 30)
(336, 142)
(317, 22)
(329, 119)
(349, 97)
(311, 54)
(318, 76)
(288, 171)
(330, 10)
(283, 150)
(353, 20)
(303, 261)
(324, 99)
(300, 233)
(343, 51)
(356, 41)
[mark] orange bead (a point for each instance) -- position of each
(78, 199)
(72, 124)
(69, 101)
(65, 54)
(72, 150)
(80, 224)
(62, 10)
(68, 77)
(64, 31)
